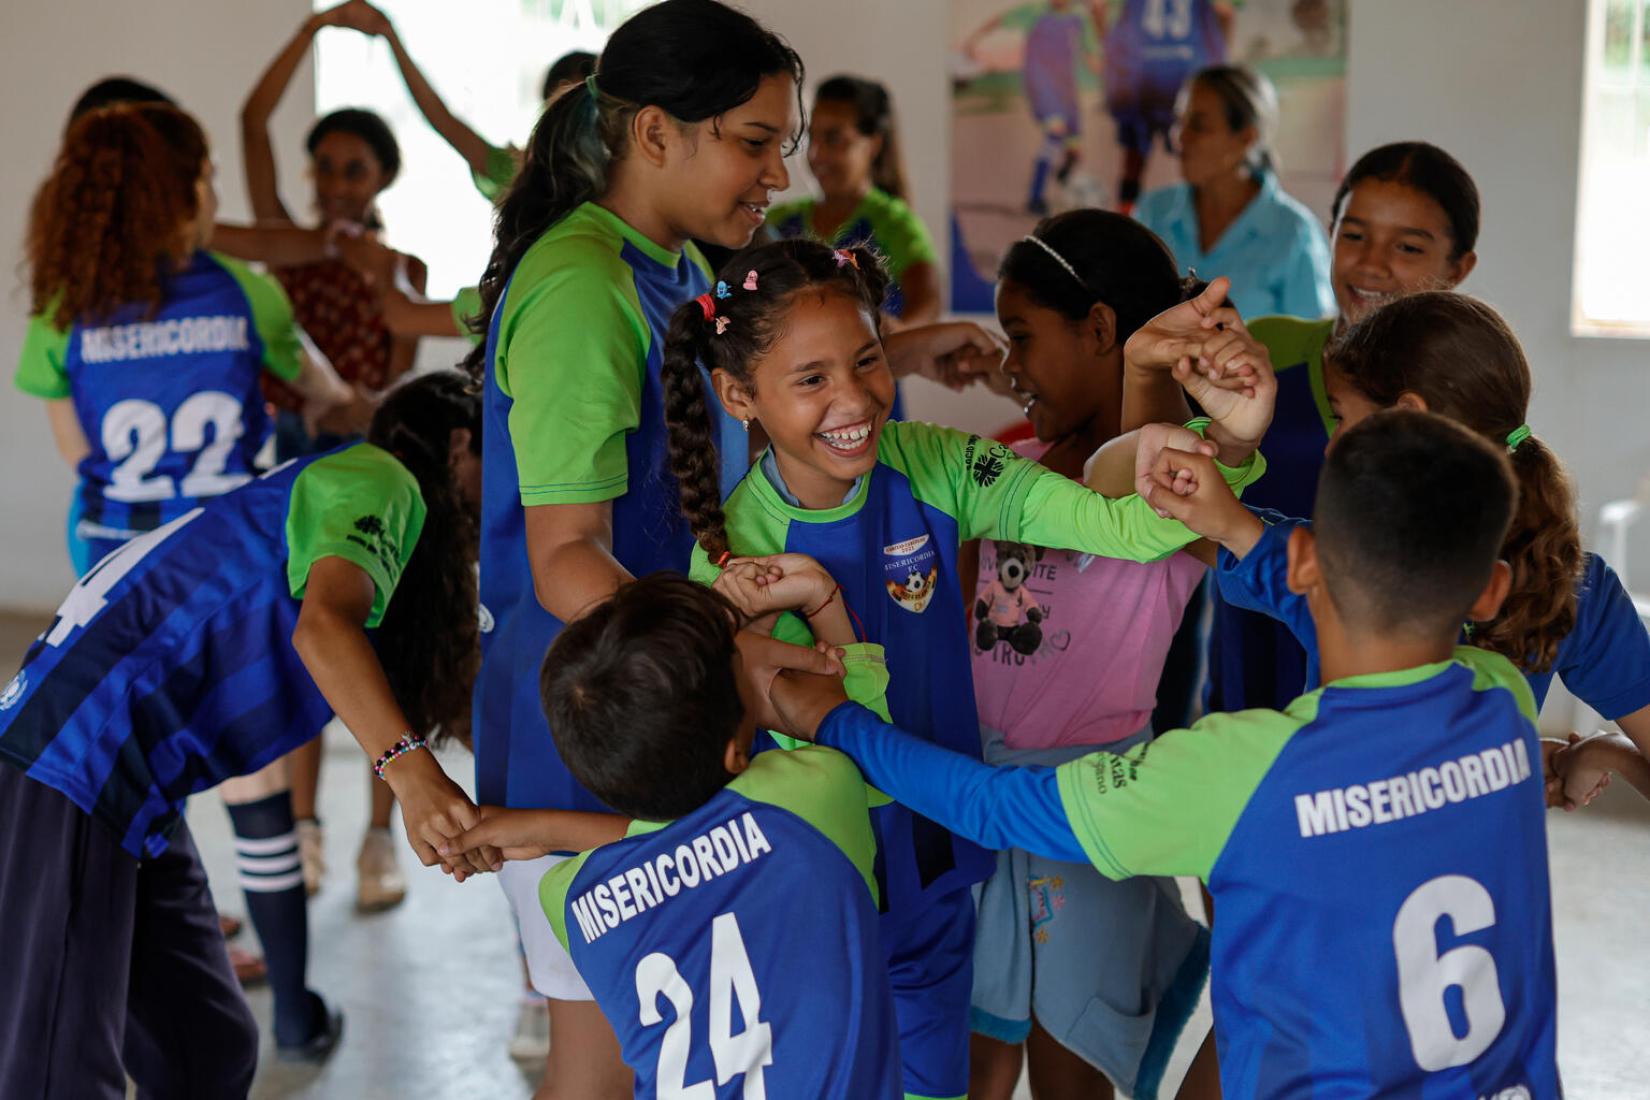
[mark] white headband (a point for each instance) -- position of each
(1059, 259)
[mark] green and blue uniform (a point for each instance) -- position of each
(881, 222)
(168, 399)
(574, 415)
(1604, 660)
(170, 667)
(1378, 857)
(681, 920)
(1253, 660)
(892, 546)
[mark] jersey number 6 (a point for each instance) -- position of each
(730, 979)
(1425, 975)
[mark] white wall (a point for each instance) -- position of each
(205, 55)
(1498, 83)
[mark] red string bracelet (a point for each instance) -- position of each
(823, 606)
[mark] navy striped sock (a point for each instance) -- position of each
(272, 879)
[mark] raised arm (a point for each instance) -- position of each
(453, 130)
(257, 152)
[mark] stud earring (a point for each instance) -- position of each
(746, 423)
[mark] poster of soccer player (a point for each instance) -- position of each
(1058, 104)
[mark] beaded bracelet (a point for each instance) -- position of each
(408, 743)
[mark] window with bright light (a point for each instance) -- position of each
(487, 59)
(1612, 285)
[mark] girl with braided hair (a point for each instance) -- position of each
(791, 338)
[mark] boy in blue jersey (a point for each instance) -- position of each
(1339, 834)
(734, 871)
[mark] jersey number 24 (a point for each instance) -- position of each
(731, 980)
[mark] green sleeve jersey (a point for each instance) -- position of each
(359, 504)
(994, 493)
(819, 785)
(1168, 807)
(467, 304)
(1296, 344)
(271, 316)
(500, 171)
(41, 370)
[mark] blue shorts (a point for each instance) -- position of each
(1112, 970)
(931, 969)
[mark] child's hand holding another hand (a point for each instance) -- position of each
(1207, 348)
(1186, 486)
(762, 587)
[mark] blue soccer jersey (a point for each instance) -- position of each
(170, 667)
(574, 415)
(1604, 660)
(694, 936)
(168, 400)
(1378, 857)
(1152, 46)
(893, 548)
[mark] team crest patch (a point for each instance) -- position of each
(910, 571)
(914, 592)
(14, 690)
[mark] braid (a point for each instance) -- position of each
(691, 440)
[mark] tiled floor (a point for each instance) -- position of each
(431, 988)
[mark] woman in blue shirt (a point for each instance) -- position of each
(1231, 216)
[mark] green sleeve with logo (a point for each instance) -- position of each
(994, 493)
(1168, 806)
(359, 504)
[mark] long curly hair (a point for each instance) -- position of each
(429, 640)
(1459, 356)
(111, 220)
(755, 320)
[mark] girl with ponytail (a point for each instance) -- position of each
(680, 134)
(339, 584)
(147, 348)
(1566, 613)
(791, 340)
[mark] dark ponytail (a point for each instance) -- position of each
(1459, 356)
(873, 117)
(753, 320)
(695, 59)
(1113, 259)
(428, 641)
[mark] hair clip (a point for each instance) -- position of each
(722, 290)
(750, 280)
(721, 325)
(707, 305)
(844, 257)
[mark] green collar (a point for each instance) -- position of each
(770, 500)
(650, 248)
(1396, 678)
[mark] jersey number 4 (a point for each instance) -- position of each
(135, 433)
(731, 980)
(1425, 976)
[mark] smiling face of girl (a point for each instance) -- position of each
(1056, 365)
(348, 177)
(822, 392)
(1392, 239)
(719, 176)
